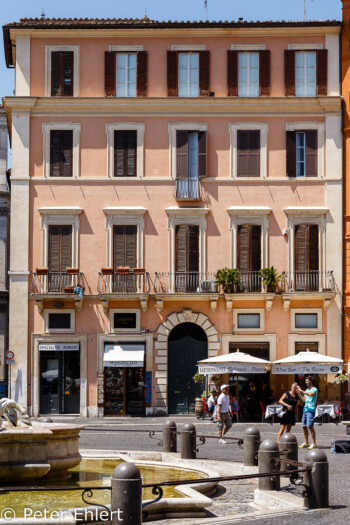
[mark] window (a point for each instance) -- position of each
(306, 255)
(248, 321)
(125, 320)
(304, 347)
(59, 320)
(126, 74)
(306, 72)
(186, 258)
(304, 321)
(249, 256)
(59, 257)
(191, 162)
(248, 153)
(302, 153)
(62, 73)
(188, 74)
(125, 147)
(248, 72)
(61, 153)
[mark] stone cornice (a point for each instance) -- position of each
(306, 210)
(305, 107)
(60, 210)
(186, 212)
(249, 210)
(125, 210)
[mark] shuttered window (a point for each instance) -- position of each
(126, 74)
(125, 148)
(188, 74)
(62, 67)
(186, 248)
(306, 72)
(249, 247)
(61, 153)
(124, 246)
(306, 248)
(248, 153)
(248, 73)
(60, 248)
(186, 165)
(302, 153)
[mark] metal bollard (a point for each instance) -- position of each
(288, 442)
(126, 503)
(317, 480)
(188, 441)
(251, 443)
(268, 450)
(169, 437)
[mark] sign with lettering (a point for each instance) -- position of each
(59, 347)
(231, 369)
(306, 369)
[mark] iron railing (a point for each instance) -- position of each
(57, 282)
(185, 282)
(308, 281)
(119, 283)
(188, 189)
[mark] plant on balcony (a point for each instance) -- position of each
(228, 279)
(123, 270)
(270, 278)
(198, 378)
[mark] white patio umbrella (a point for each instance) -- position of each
(234, 363)
(307, 363)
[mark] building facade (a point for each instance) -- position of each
(4, 253)
(146, 157)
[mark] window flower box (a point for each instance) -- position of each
(107, 271)
(42, 271)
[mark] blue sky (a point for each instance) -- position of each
(13, 10)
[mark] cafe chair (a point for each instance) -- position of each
(263, 410)
(339, 413)
(236, 413)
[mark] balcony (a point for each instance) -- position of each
(124, 284)
(188, 190)
(308, 281)
(185, 283)
(66, 285)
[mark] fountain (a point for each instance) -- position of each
(31, 449)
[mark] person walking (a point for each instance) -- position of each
(289, 400)
(309, 396)
(224, 413)
(212, 403)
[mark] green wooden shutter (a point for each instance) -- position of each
(61, 153)
(193, 249)
(124, 246)
(130, 153)
(254, 154)
(291, 154)
(204, 73)
(55, 73)
(125, 153)
(311, 153)
(248, 153)
(289, 72)
(322, 71)
(243, 237)
(181, 248)
(142, 73)
(255, 248)
(60, 248)
(202, 154)
(232, 73)
(172, 73)
(301, 258)
(62, 72)
(182, 154)
(110, 74)
(264, 73)
(313, 247)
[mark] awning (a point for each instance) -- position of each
(233, 363)
(308, 363)
(124, 355)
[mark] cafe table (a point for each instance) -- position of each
(327, 408)
(274, 409)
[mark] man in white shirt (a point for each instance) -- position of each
(224, 413)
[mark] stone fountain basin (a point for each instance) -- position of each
(44, 449)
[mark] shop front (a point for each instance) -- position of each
(59, 382)
(124, 379)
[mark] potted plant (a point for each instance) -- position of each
(198, 378)
(270, 278)
(107, 271)
(42, 271)
(72, 271)
(228, 279)
(340, 379)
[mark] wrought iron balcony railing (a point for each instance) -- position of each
(185, 282)
(60, 283)
(124, 283)
(188, 189)
(308, 281)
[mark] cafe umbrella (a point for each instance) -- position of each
(233, 363)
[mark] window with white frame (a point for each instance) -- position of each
(188, 140)
(305, 149)
(57, 321)
(125, 320)
(62, 65)
(245, 145)
(126, 74)
(61, 149)
(305, 73)
(306, 319)
(188, 74)
(248, 74)
(249, 320)
(125, 149)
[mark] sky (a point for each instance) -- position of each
(13, 10)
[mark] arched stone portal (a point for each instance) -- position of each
(161, 350)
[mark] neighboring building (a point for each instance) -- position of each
(4, 256)
(146, 156)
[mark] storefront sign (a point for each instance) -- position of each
(59, 347)
(124, 355)
(306, 369)
(126, 364)
(231, 369)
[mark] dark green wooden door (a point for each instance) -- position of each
(187, 345)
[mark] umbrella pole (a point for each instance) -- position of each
(206, 385)
(236, 386)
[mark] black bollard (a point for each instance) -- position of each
(188, 441)
(126, 507)
(288, 443)
(267, 451)
(317, 480)
(169, 437)
(251, 443)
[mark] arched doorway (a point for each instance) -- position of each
(187, 344)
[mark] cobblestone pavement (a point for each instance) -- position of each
(234, 498)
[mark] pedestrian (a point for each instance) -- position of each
(290, 401)
(224, 413)
(309, 397)
(212, 403)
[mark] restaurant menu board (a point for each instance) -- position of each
(148, 389)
